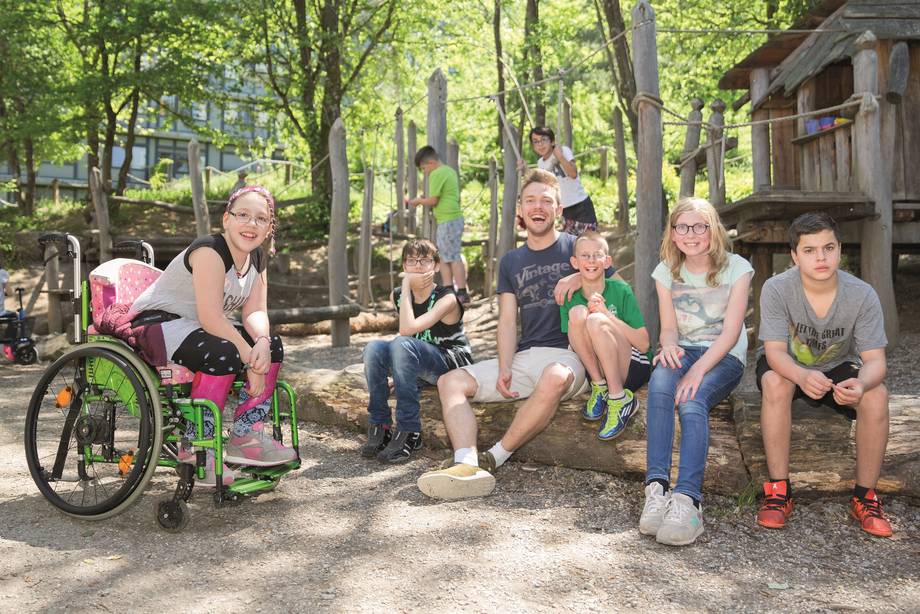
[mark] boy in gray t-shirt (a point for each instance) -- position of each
(823, 340)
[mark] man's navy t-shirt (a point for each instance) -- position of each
(531, 276)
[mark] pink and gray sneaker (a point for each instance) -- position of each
(257, 449)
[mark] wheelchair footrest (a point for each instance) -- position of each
(270, 473)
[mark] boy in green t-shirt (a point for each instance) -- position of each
(607, 331)
(444, 198)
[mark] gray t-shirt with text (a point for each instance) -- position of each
(853, 324)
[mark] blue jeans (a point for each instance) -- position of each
(694, 419)
(408, 360)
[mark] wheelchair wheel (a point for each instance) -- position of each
(93, 433)
(172, 514)
(26, 355)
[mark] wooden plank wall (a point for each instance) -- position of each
(909, 132)
(785, 155)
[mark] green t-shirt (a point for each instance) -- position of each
(444, 183)
(620, 300)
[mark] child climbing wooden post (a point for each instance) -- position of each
(338, 226)
(872, 176)
(649, 220)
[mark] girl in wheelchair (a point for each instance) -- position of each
(199, 291)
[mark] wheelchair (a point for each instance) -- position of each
(101, 421)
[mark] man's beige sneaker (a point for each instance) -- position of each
(485, 459)
(460, 481)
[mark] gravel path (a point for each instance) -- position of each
(344, 534)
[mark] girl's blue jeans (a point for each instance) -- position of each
(408, 360)
(694, 419)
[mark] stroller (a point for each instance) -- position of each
(17, 337)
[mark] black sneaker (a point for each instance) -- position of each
(378, 436)
(401, 447)
(463, 297)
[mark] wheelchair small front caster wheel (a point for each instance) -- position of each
(172, 515)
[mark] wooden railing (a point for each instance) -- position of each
(826, 159)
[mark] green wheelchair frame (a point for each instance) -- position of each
(103, 421)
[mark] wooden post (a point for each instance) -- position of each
(622, 172)
(506, 241)
(364, 247)
(805, 101)
(568, 138)
(52, 281)
(873, 178)
(288, 170)
(437, 113)
(453, 155)
(400, 173)
(715, 165)
(101, 207)
(428, 228)
(412, 175)
(56, 192)
(762, 261)
(436, 135)
(649, 196)
(688, 167)
(491, 248)
(760, 135)
(338, 227)
(199, 198)
(604, 169)
(207, 180)
(898, 72)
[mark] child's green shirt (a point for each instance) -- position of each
(620, 300)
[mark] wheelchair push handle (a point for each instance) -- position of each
(73, 250)
(140, 249)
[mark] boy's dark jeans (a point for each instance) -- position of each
(408, 360)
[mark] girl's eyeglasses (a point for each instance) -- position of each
(698, 228)
(244, 218)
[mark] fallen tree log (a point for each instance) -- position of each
(313, 314)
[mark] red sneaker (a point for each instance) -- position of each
(868, 512)
(776, 506)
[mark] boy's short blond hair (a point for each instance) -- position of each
(592, 235)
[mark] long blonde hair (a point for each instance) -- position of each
(718, 239)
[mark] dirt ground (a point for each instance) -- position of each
(345, 534)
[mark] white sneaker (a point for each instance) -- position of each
(682, 522)
(656, 502)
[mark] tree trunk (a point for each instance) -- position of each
(28, 196)
(533, 60)
(623, 71)
(497, 34)
(132, 127)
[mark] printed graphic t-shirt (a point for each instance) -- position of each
(444, 183)
(620, 301)
(853, 324)
(700, 308)
(570, 188)
(532, 276)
